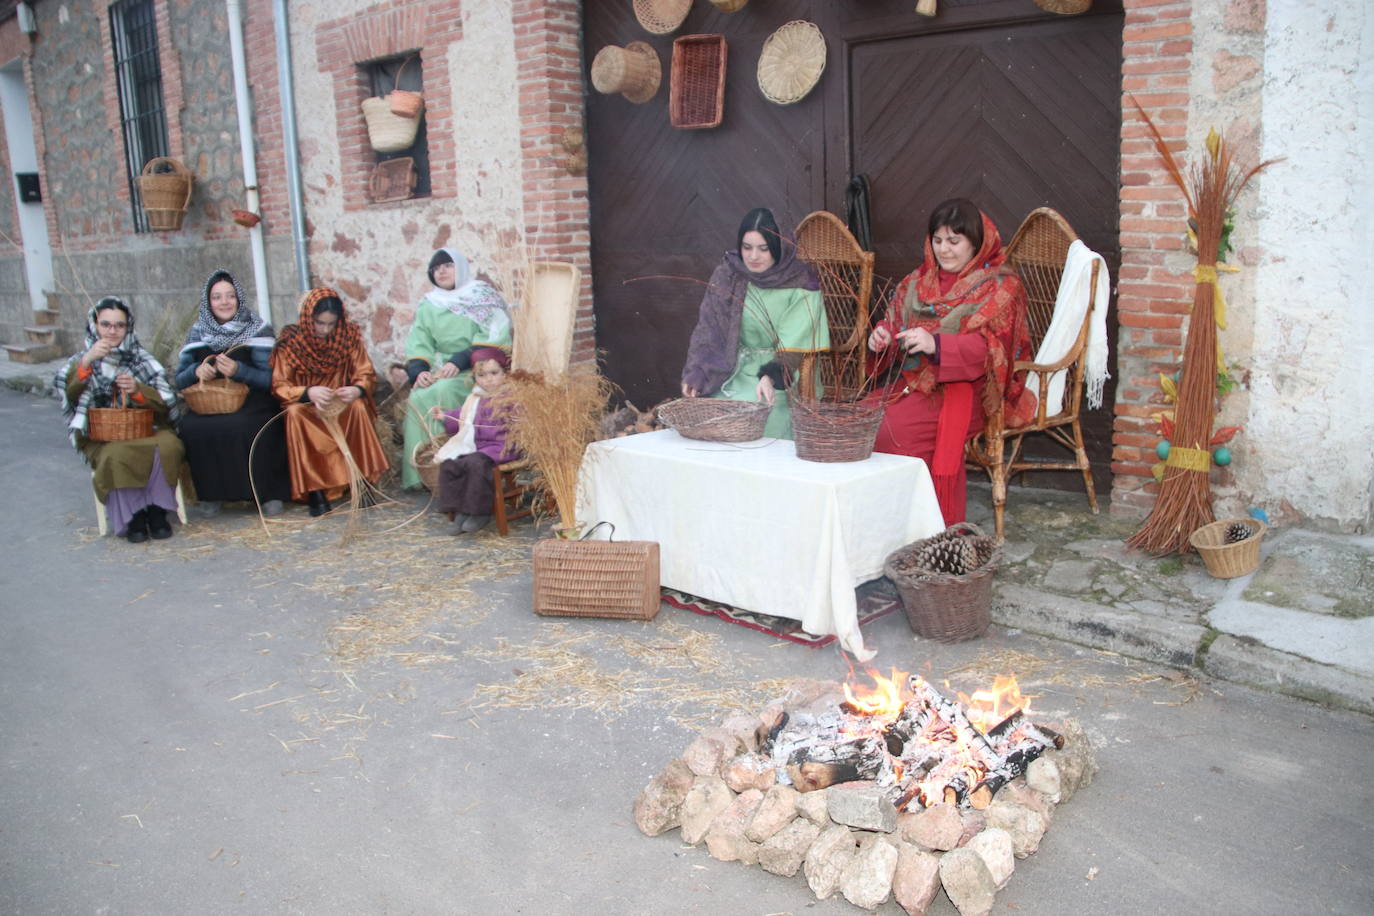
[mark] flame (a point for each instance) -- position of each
(884, 699)
(987, 708)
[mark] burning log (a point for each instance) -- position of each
(815, 766)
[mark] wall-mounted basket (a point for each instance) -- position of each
(1064, 7)
(696, 96)
(791, 62)
(165, 189)
(403, 102)
(388, 133)
(393, 179)
(661, 16)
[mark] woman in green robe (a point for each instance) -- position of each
(453, 318)
(762, 313)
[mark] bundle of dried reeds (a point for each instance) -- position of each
(1210, 188)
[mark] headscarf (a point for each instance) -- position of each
(129, 356)
(713, 352)
(469, 298)
(244, 329)
(480, 354)
(314, 358)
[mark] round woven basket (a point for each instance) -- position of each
(1064, 7)
(792, 61)
(828, 431)
(116, 424)
(729, 6)
(716, 419)
(661, 16)
(1227, 561)
(634, 71)
(939, 605)
(388, 133)
(219, 395)
(422, 460)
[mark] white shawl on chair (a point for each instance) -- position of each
(1070, 305)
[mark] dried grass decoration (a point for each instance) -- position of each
(1210, 189)
(552, 420)
(792, 61)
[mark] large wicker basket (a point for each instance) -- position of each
(164, 187)
(696, 92)
(422, 460)
(616, 579)
(829, 431)
(116, 424)
(716, 419)
(943, 606)
(1227, 561)
(388, 133)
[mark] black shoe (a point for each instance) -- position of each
(319, 503)
(157, 523)
(137, 531)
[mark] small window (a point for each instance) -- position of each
(133, 30)
(382, 77)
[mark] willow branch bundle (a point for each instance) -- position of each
(1210, 188)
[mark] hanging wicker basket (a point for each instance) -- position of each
(941, 605)
(729, 6)
(1064, 7)
(1229, 560)
(164, 187)
(791, 63)
(405, 103)
(829, 431)
(116, 424)
(387, 132)
(696, 93)
(661, 16)
(633, 71)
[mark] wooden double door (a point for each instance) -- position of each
(995, 100)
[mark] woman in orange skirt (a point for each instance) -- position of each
(322, 375)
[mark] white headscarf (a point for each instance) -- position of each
(470, 298)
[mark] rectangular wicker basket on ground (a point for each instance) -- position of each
(616, 579)
(696, 93)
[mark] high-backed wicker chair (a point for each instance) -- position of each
(1037, 252)
(846, 274)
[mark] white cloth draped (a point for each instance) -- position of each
(1070, 305)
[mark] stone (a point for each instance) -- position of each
(659, 806)
(994, 845)
(1023, 795)
(706, 755)
(1025, 826)
(1076, 762)
(732, 742)
(827, 858)
(1073, 577)
(937, 827)
(815, 807)
(725, 839)
(784, 851)
(745, 729)
(779, 807)
(967, 881)
(974, 821)
(1043, 776)
(707, 798)
(805, 692)
(867, 880)
(749, 771)
(916, 880)
(862, 804)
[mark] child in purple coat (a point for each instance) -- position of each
(466, 490)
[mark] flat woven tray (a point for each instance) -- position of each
(696, 94)
(716, 419)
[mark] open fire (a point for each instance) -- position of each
(905, 736)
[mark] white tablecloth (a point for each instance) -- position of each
(754, 526)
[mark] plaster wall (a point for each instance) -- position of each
(376, 255)
(1308, 449)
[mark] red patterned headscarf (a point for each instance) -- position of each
(311, 355)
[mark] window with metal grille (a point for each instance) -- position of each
(133, 30)
(382, 78)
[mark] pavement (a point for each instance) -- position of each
(363, 716)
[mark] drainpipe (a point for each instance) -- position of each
(250, 163)
(293, 159)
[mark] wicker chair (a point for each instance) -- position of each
(1038, 252)
(846, 273)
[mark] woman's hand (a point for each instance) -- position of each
(917, 340)
(764, 390)
(436, 412)
(348, 393)
(205, 372)
(424, 379)
(447, 370)
(226, 366)
(125, 383)
(880, 338)
(689, 392)
(98, 351)
(320, 396)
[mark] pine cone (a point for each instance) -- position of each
(1237, 531)
(954, 556)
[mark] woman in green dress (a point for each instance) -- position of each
(457, 315)
(762, 313)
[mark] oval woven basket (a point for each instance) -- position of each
(1064, 7)
(219, 395)
(387, 132)
(792, 61)
(716, 419)
(661, 16)
(828, 431)
(422, 460)
(729, 6)
(940, 605)
(116, 424)
(1227, 561)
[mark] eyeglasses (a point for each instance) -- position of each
(112, 326)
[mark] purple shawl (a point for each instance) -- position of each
(712, 354)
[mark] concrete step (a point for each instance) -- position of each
(42, 334)
(46, 316)
(32, 352)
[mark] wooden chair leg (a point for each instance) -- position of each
(498, 478)
(1083, 464)
(997, 473)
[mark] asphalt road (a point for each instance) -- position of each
(227, 722)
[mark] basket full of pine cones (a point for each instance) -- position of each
(1230, 547)
(945, 582)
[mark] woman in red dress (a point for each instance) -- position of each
(955, 328)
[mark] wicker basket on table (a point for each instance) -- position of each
(217, 396)
(945, 582)
(116, 424)
(828, 431)
(422, 460)
(1230, 547)
(716, 419)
